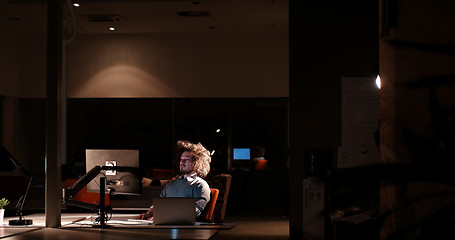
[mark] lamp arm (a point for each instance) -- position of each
(90, 175)
(20, 203)
(17, 164)
(82, 182)
(78, 186)
(81, 204)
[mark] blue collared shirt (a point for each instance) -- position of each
(191, 186)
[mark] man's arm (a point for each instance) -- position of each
(202, 195)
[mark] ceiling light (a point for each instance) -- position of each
(111, 28)
(76, 4)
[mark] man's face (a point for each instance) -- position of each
(186, 160)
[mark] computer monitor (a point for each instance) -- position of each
(241, 154)
(118, 182)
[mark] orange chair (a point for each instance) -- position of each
(222, 182)
(207, 214)
(261, 164)
(88, 197)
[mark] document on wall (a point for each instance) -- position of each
(359, 123)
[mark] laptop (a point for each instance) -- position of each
(174, 211)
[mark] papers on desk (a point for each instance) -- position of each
(130, 222)
(116, 222)
(140, 221)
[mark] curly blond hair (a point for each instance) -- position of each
(201, 156)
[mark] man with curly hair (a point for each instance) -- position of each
(194, 166)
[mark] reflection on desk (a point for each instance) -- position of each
(116, 220)
(126, 221)
(76, 226)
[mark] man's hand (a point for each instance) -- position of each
(146, 216)
(141, 216)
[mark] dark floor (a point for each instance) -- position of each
(265, 221)
(265, 228)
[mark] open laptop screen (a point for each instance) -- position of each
(174, 211)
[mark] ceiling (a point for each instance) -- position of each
(150, 16)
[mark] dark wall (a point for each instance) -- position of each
(143, 124)
(154, 126)
(32, 133)
(416, 117)
(329, 40)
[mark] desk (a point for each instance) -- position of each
(7, 231)
(119, 220)
(73, 229)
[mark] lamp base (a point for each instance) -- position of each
(21, 222)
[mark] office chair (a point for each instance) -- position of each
(207, 214)
(222, 182)
(260, 164)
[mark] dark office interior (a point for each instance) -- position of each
(242, 74)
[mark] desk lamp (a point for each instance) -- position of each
(6, 160)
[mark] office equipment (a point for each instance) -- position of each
(9, 159)
(70, 192)
(117, 182)
(174, 211)
(120, 175)
(241, 154)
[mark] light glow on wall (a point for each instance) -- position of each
(176, 66)
(378, 82)
(123, 81)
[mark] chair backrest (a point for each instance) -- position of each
(163, 174)
(207, 214)
(222, 182)
(261, 164)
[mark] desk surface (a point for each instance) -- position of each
(115, 219)
(111, 234)
(121, 221)
(77, 226)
